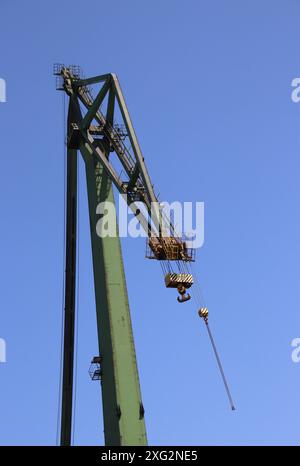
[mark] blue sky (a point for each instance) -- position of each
(208, 85)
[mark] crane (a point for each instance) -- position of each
(112, 157)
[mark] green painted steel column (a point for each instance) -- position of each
(123, 411)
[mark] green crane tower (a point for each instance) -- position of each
(94, 133)
(123, 410)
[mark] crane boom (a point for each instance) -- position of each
(136, 185)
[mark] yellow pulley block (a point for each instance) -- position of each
(181, 281)
(203, 313)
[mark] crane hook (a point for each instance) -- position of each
(183, 297)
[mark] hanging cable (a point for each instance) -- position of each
(186, 266)
(197, 287)
(203, 314)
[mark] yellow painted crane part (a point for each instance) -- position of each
(181, 281)
(203, 313)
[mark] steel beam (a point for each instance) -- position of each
(89, 116)
(123, 411)
(133, 139)
(70, 285)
